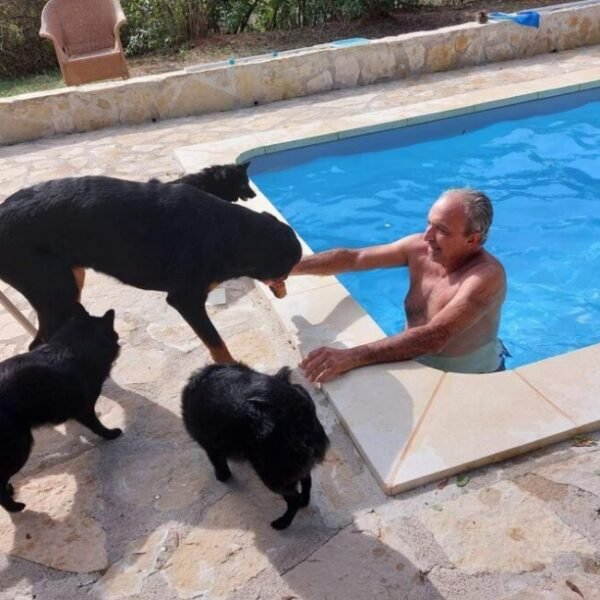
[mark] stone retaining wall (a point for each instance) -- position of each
(292, 74)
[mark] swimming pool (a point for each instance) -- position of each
(538, 161)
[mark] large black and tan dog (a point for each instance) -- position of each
(229, 182)
(157, 236)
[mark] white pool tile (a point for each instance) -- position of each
(380, 406)
(474, 420)
(571, 382)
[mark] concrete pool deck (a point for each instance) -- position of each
(143, 517)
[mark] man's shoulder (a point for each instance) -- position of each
(491, 264)
(488, 270)
(414, 242)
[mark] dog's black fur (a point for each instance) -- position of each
(233, 411)
(57, 381)
(157, 236)
(228, 182)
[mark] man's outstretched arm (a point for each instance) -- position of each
(342, 260)
(478, 294)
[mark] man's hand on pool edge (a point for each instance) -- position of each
(324, 364)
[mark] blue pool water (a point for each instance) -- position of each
(542, 172)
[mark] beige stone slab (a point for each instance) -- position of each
(592, 83)
(239, 149)
(588, 586)
(580, 471)
(301, 135)
(502, 529)
(57, 527)
(562, 88)
(570, 82)
(193, 158)
(365, 560)
(229, 546)
(326, 315)
(228, 150)
(505, 95)
(570, 382)
(475, 420)
(372, 122)
(380, 407)
(442, 108)
(143, 557)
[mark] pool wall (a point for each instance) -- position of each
(261, 80)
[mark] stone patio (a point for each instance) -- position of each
(142, 517)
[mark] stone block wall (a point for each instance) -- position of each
(309, 71)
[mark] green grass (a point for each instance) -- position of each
(34, 83)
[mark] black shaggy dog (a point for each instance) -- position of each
(228, 182)
(152, 235)
(234, 412)
(57, 381)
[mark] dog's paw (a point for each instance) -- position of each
(13, 506)
(111, 434)
(281, 523)
(223, 475)
(304, 500)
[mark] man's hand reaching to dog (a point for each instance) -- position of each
(324, 364)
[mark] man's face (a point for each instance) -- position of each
(445, 233)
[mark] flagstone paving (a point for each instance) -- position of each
(142, 517)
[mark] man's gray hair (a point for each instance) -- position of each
(479, 211)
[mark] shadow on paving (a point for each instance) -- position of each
(154, 478)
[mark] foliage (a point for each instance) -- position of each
(163, 24)
(169, 24)
(22, 51)
(157, 24)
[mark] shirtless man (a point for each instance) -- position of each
(453, 303)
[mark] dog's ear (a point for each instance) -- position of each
(284, 373)
(245, 165)
(109, 317)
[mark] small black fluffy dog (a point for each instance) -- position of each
(57, 381)
(166, 237)
(228, 182)
(234, 412)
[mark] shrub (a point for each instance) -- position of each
(22, 50)
(162, 24)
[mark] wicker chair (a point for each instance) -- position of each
(85, 34)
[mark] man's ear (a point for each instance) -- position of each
(474, 238)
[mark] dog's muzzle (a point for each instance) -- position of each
(277, 287)
(247, 193)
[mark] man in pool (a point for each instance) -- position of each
(453, 304)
